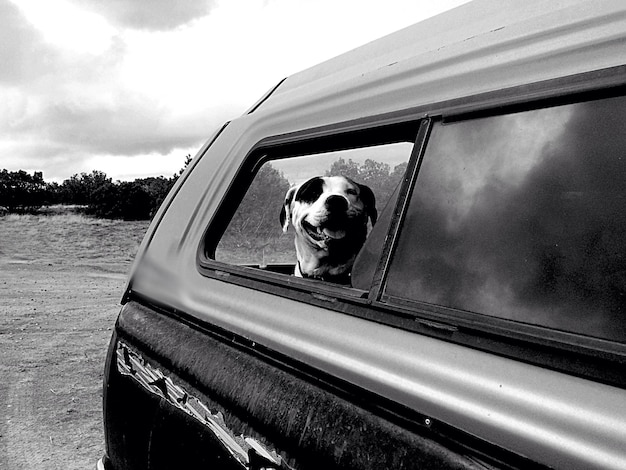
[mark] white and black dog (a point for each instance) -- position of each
(329, 215)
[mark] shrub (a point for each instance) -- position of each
(21, 192)
(123, 200)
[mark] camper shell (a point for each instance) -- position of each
(217, 364)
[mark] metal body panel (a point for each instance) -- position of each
(556, 419)
(292, 421)
(560, 420)
(479, 47)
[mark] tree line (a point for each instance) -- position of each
(254, 233)
(257, 215)
(98, 195)
(95, 193)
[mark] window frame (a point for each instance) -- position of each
(592, 358)
(380, 130)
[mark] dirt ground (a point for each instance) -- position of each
(61, 279)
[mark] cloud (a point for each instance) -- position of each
(64, 26)
(126, 127)
(65, 98)
(21, 47)
(124, 167)
(153, 15)
(64, 138)
(87, 80)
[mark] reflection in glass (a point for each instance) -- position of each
(523, 217)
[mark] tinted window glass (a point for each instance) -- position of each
(523, 217)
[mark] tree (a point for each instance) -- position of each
(22, 192)
(255, 227)
(54, 194)
(258, 213)
(350, 169)
(187, 162)
(126, 200)
(156, 188)
(139, 199)
(377, 175)
(80, 189)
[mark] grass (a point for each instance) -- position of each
(70, 238)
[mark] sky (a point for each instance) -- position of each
(130, 87)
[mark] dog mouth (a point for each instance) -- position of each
(322, 233)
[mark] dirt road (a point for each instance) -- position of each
(61, 279)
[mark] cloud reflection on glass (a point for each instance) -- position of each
(523, 217)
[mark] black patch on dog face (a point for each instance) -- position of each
(283, 210)
(311, 190)
(282, 216)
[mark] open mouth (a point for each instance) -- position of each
(321, 233)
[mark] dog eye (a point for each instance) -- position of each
(351, 192)
(311, 190)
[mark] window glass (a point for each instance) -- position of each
(255, 236)
(523, 217)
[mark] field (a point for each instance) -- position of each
(61, 279)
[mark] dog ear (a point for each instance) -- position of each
(369, 201)
(285, 212)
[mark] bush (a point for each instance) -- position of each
(136, 200)
(157, 189)
(21, 192)
(81, 189)
(123, 200)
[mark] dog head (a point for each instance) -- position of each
(329, 215)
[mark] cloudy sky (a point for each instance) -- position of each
(130, 87)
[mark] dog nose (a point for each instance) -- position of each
(336, 203)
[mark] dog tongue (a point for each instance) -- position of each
(334, 233)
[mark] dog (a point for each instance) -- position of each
(329, 215)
